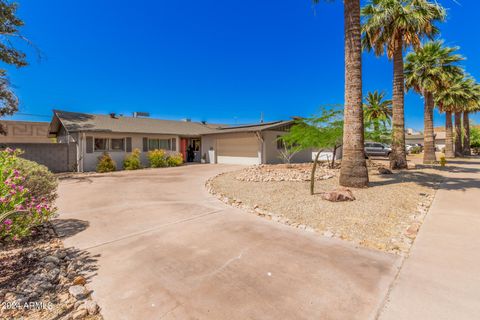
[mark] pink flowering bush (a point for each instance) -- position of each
(20, 209)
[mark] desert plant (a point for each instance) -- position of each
(20, 210)
(416, 150)
(157, 158)
(38, 179)
(106, 163)
(132, 161)
(324, 131)
(175, 159)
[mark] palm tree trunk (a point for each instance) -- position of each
(466, 137)
(428, 135)
(353, 172)
(449, 135)
(458, 134)
(399, 156)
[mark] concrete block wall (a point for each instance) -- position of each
(58, 157)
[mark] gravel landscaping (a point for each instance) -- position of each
(386, 216)
(40, 279)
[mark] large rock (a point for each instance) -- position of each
(383, 170)
(79, 280)
(51, 259)
(91, 307)
(78, 292)
(342, 194)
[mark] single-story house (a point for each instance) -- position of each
(94, 134)
(417, 138)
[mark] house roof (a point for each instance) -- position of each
(76, 122)
(253, 127)
(84, 122)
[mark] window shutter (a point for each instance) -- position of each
(89, 146)
(129, 144)
(174, 144)
(145, 144)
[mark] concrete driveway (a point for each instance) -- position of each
(166, 249)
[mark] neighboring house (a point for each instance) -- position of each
(119, 135)
(412, 137)
(24, 132)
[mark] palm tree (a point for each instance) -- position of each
(353, 172)
(376, 109)
(472, 105)
(427, 71)
(392, 26)
(451, 99)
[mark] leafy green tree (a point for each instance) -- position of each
(427, 71)
(353, 172)
(475, 136)
(321, 132)
(391, 26)
(9, 28)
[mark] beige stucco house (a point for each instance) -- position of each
(94, 134)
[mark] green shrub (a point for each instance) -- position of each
(132, 161)
(22, 208)
(38, 179)
(416, 150)
(106, 163)
(175, 159)
(157, 158)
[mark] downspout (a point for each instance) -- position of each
(82, 158)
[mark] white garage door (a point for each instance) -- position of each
(238, 150)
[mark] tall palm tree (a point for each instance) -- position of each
(451, 99)
(472, 105)
(392, 26)
(376, 109)
(427, 71)
(353, 172)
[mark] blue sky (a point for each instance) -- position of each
(220, 61)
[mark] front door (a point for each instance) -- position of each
(183, 148)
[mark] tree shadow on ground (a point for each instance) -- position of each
(430, 180)
(66, 228)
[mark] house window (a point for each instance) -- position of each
(117, 144)
(101, 144)
(280, 144)
(159, 144)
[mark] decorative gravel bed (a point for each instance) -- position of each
(284, 172)
(40, 279)
(386, 216)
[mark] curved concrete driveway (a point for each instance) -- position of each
(168, 250)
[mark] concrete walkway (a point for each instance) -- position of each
(441, 277)
(166, 249)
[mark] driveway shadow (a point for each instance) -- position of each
(66, 228)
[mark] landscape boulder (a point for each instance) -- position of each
(383, 170)
(341, 194)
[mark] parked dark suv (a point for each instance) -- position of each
(377, 149)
